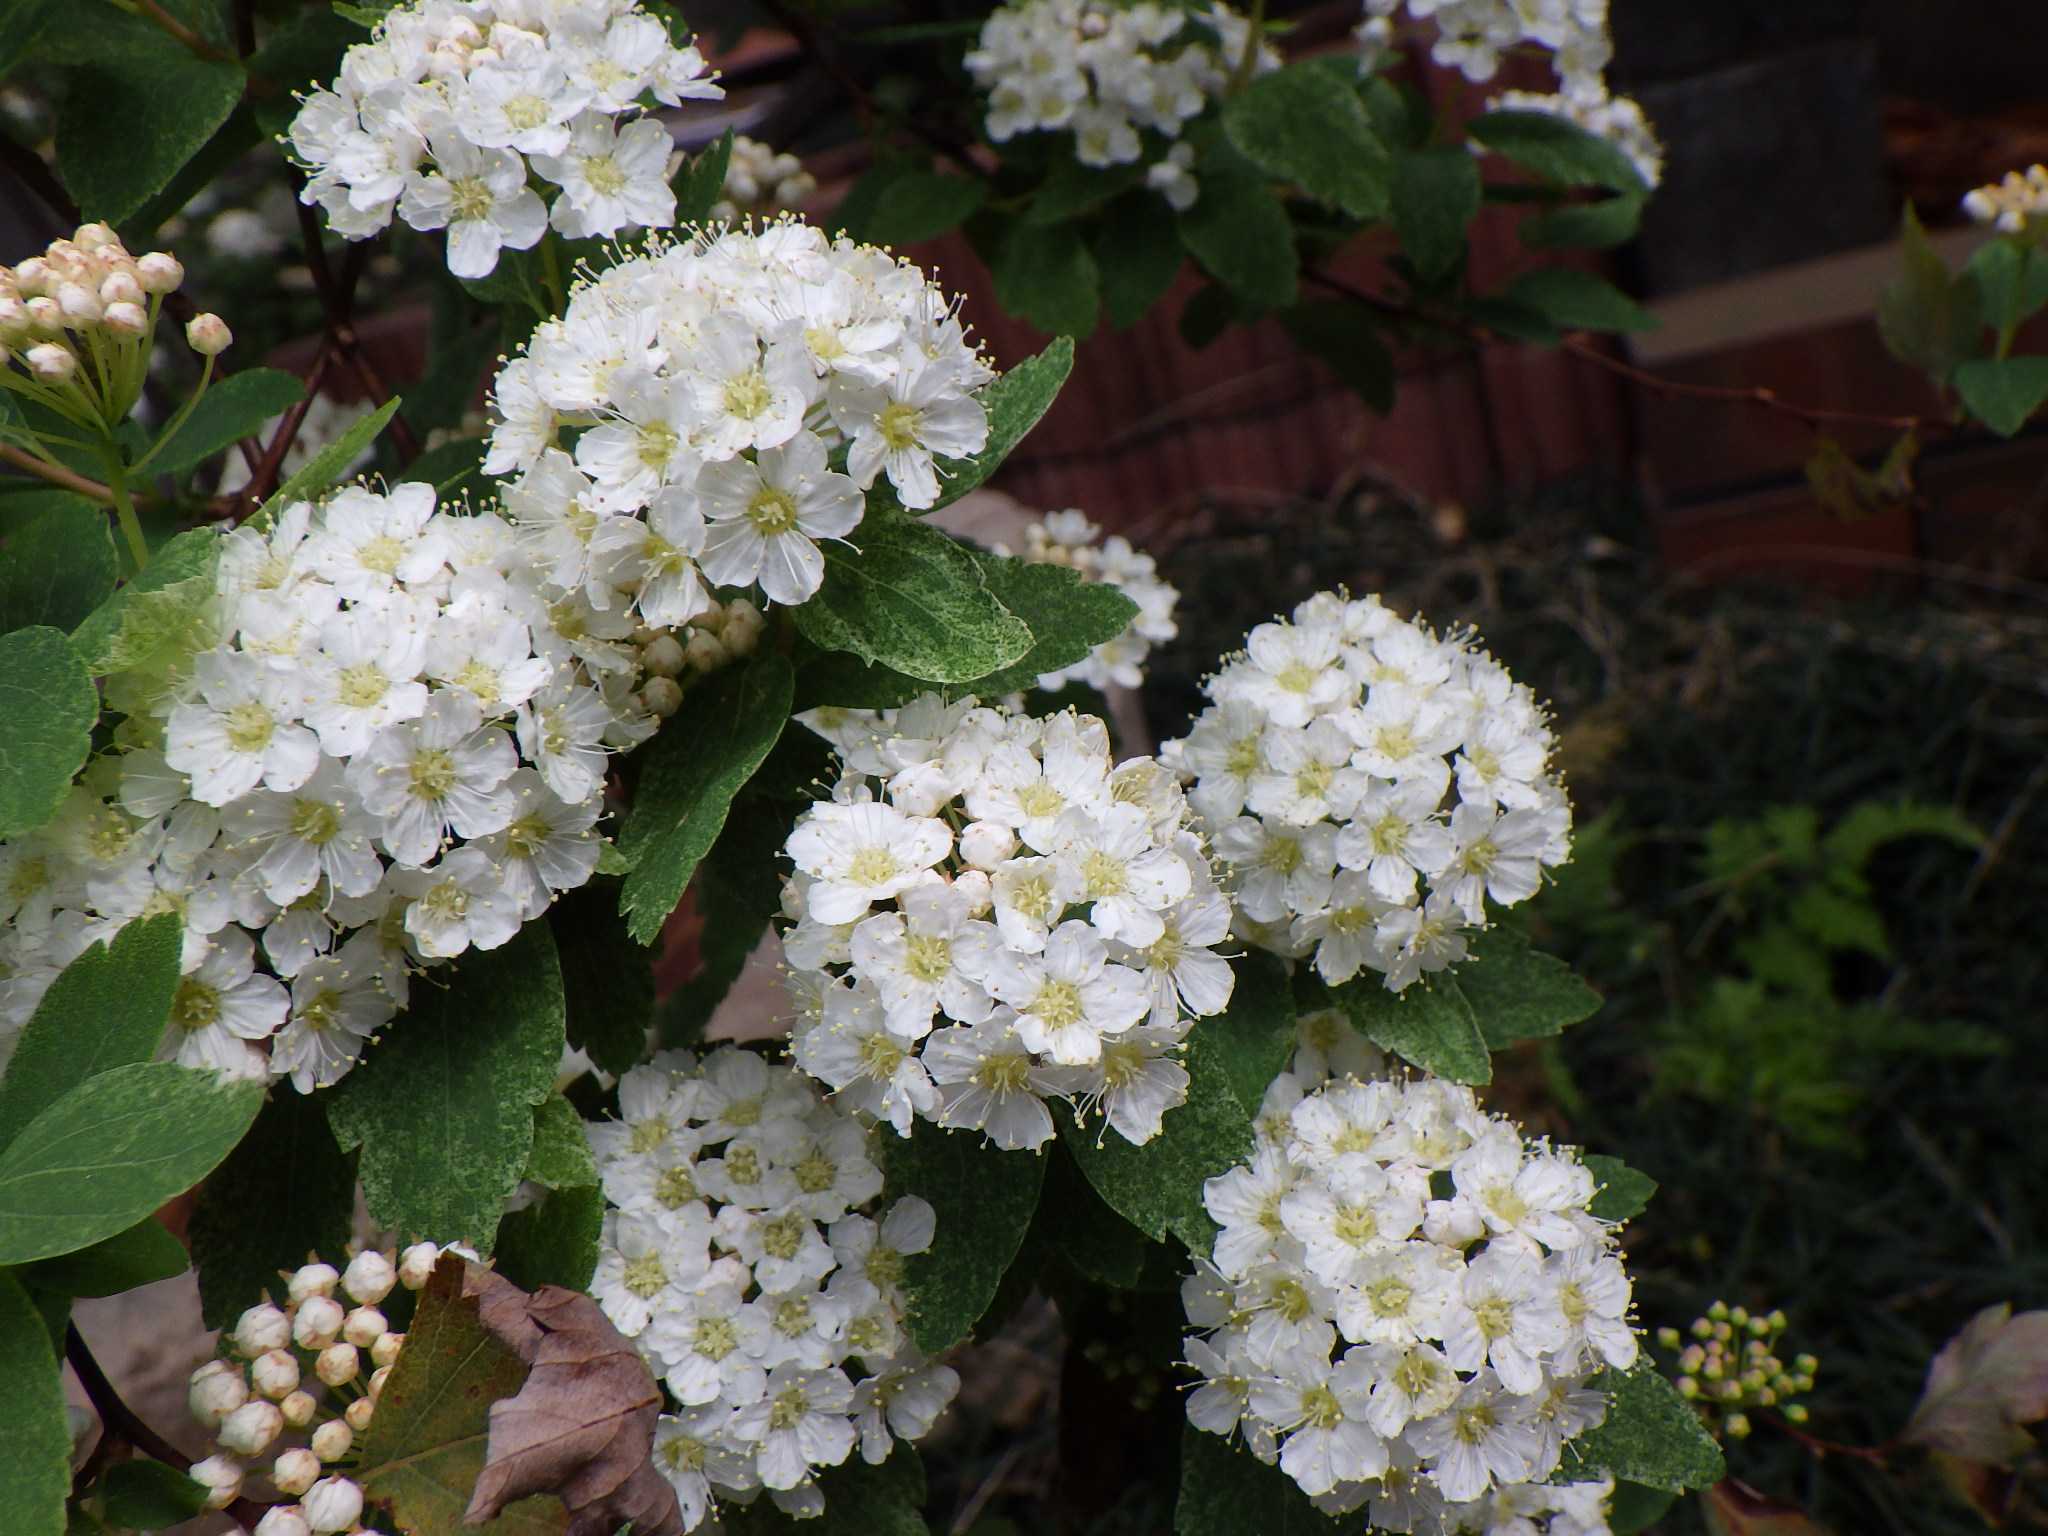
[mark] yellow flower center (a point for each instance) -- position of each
(1058, 1004)
(645, 1275)
(248, 727)
(772, 511)
(673, 1187)
(433, 774)
(196, 1005)
(900, 425)
(361, 686)
(747, 395)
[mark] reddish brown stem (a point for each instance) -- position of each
(1876, 1455)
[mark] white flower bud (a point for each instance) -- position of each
(283, 1520)
(121, 288)
(159, 272)
(249, 1430)
(704, 653)
(208, 335)
(369, 1277)
(91, 237)
(986, 844)
(217, 1390)
(662, 656)
(332, 1440)
(743, 625)
(661, 696)
(385, 1350)
(364, 1327)
(261, 1329)
(48, 361)
(33, 275)
(377, 1379)
(298, 1409)
(275, 1374)
(416, 1264)
(295, 1471)
(333, 1504)
(312, 1280)
(975, 886)
(14, 320)
(318, 1323)
(337, 1363)
(44, 317)
(221, 1477)
(126, 319)
(358, 1413)
(81, 306)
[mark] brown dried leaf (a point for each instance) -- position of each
(1990, 1491)
(582, 1427)
(1736, 1509)
(1987, 1381)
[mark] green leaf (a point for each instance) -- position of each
(442, 1105)
(233, 408)
(50, 706)
(1243, 238)
(1158, 1187)
(450, 468)
(561, 1157)
(170, 101)
(1045, 275)
(21, 22)
(209, 163)
(1429, 1025)
(922, 205)
(607, 978)
(35, 1466)
(161, 616)
(1519, 993)
(1227, 1491)
(58, 568)
(1138, 254)
(2003, 393)
(112, 1150)
(1927, 317)
(143, 1254)
(290, 1168)
(319, 473)
(106, 1009)
(1585, 226)
(1624, 1193)
(1558, 150)
(702, 181)
(149, 1496)
(983, 1199)
(1303, 124)
(554, 1241)
(2012, 282)
(1094, 1240)
(443, 395)
(1014, 403)
(1072, 189)
(1435, 197)
(1068, 616)
(1635, 1508)
(301, 50)
(1252, 1038)
(693, 769)
(1579, 301)
(1651, 1436)
(914, 600)
(425, 1447)
(1345, 338)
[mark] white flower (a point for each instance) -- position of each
(800, 1423)
(988, 1082)
(335, 1007)
(897, 427)
(611, 178)
(765, 515)
(481, 198)
(222, 1004)
(860, 854)
(459, 902)
(1069, 997)
(240, 730)
(439, 774)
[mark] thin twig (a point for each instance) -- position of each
(337, 299)
(119, 1420)
(263, 479)
(1583, 347)
(199, 46)
(56, 474)
(1876, 1455)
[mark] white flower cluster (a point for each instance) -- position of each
(760, 183)
(292, 1365)
(741, 1256)
(1372, 787)
(1417, 1352)
(1111, 74)
(454, 109)
(395, 753)
(988, 914)
(704, 386)
(1070, 539)
(2013, 202)
(1474, 35)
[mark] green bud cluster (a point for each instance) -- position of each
(1729, 1364)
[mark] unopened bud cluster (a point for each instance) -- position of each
(671, 659)
(1070, 539)
(760, 182)
(1730, 1364)
(77, 322)
(300, 1384)
(2012, 202)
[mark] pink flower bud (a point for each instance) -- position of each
(338, 1363)
(221, 1477)
(51, 362)
(120, 287)
(283, 1520)
(333, 1504)
(385, 1350)
(261, 1329)
(985, 844)
(298, 1409)
(80, 304)
(377, 1379)
(358, 1413)
(32, 275)
(704, 653)
(416, 1264)
(44, 317)
(91, 237)
(662, 656)
(275, 1374)
(208, 335)
(159, 272)
(364, 1327)
(312, 1280)
(369, 1277)
(14, 321)
(126, 319)
(318, 1322)
(332, 1440)
(295, 1471)
(249, 1430)
(217, 1390)
(661, 696)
